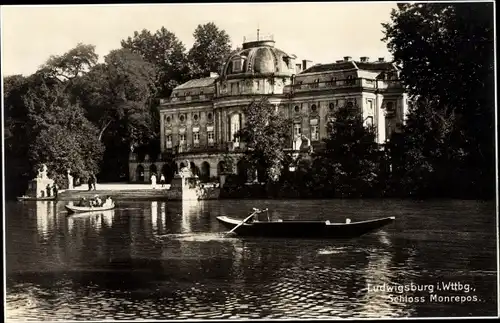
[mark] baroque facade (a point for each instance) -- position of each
(200, 119)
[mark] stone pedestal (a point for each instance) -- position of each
(41, 186)
(184, 186)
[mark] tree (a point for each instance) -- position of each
(429, 152)
(16, 134)
(349, 163)
(68, 67)
(166, 52)
(446, 54)
(266, 134)
(119, 91)
(46, 128)
(210, 50)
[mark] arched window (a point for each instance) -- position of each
(296, 108)
(313, 108)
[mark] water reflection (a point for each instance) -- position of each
(171, 260)
(45, 218)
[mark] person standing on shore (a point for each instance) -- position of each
(162, 180)
(94, 181)
(89, 181)
(153, 181)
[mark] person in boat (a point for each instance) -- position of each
(84, 202)
(108, 201)
(97, 201)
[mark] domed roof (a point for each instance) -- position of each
(259, 58)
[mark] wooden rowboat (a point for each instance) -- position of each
(303, 229)
(34, 198)
(89, 209)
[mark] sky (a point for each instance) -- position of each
(321, 32)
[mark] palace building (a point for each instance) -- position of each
(200, 119)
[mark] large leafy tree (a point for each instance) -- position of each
(446, 54)
(47, 128)
(167, 54)
(349, 164)
(120, 92)
(210, 50)
(71, 64)
(16, 134)
(118, 99)
(266, 134)
(428, 149)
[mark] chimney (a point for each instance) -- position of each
(381, 59)
(306, 64)
(298, 68)
(347, 58)
(364, 59)
(214, 74)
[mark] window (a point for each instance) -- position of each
(297, 129)
(314, 129)
(211, 138)
(349, 105)
(182, 139)
(196, 138)
(237, 65)
(297, 108)
(331, 106)
(313, 108)
(257, 83)
(168, 141)
(168, 119)
(370, 106)
(314, 133)
(235, 127)
(195, 117)
(209, 116)
(181, 118)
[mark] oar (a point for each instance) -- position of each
(255, 211)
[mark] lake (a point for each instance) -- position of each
(172, 260)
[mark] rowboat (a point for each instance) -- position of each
(302, 228)
(34, 198)
(89, 209)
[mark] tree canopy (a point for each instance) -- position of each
(445, 51)
(166, 53)
(211, 48)
(266, 134)
(349, 164)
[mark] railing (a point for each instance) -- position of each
(358, 82)
(192, 98)
(389, 84)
